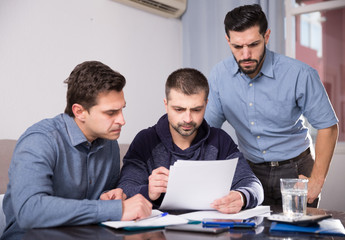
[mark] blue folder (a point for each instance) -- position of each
(328, 226)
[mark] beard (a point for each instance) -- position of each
(256, 66)
(185, 133)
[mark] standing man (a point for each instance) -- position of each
(263, 95)
(183, 134)
(61, 166)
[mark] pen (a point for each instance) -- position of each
(153, 217)
(231, 224)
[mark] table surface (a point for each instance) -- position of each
(100, 232)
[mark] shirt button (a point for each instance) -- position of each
(250, 104)
(250, 84)
(264, 152)
(252, 123)
(258, 137)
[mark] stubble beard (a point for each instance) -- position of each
(184, 133)
(251, 71)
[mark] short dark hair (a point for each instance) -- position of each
(189, 81)
(241, 18)
(87, 80)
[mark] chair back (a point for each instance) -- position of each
(2, 216)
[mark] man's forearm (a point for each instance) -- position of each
(324, 148)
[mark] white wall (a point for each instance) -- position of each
(41, 41)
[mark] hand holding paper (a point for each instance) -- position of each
(158, 182)
(194, 185)
(231, 203)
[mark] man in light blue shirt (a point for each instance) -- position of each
(61, 166)
(263, 95)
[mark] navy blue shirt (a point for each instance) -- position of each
(153, 148)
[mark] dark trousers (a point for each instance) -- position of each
(270, 177)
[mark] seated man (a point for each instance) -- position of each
(184, 134)
(61, 166)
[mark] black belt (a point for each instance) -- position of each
(291, 160)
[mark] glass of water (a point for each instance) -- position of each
(294, 195)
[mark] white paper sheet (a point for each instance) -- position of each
(194, 185)
(155, 222)
(244, 214)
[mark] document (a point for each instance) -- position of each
(244, 214)
(156, 220)
(194, 185)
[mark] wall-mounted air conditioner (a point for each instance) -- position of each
(165, 8)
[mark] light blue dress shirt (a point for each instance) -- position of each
(57, 176)
(266, 111)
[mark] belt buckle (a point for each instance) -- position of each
(274, 164)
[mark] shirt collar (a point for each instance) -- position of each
(234, 68)
(267, 66)
(75, 134)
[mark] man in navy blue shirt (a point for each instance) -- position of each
(61, 166)
(183, 134)
(263, 95)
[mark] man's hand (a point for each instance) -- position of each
(136, 207)
(158, 182)
(314, 188)
(115, 194)
(231, 203)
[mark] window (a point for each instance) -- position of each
(310, 34)
(316, 36)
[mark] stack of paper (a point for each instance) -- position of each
(170, 219)
(194, 185)
(244, 214)
(148, 223)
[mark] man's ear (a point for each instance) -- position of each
(227, 39)
(267, 36)
(166, 105)
(79, 112)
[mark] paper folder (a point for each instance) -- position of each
(327, 226)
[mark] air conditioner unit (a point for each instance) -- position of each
(165, 8)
